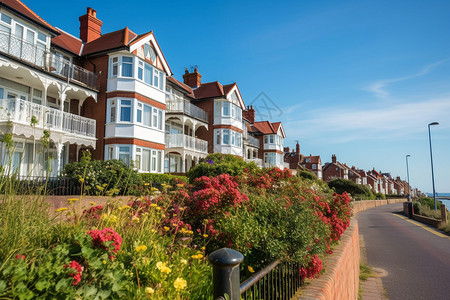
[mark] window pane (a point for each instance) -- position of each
(42, 37)
(141, 70)
(147, 115)
(226, 108)
(6, 19)
(159, 161)
(127, 66)
(155, 117)
(148, 74)
(226, 137)
(160, 119)
(139, 116)
(113, 114)
(146, 160)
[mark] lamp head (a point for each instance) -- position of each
(434, 123)
(408, 155)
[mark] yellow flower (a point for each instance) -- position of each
(181, 208)
(141, 248)
(81, 180)
(197, 256)
(158, 208)
(99, 187)
(92, 203)
(73, 199)
(179, 283)
(146, 183)
(203, 248)
(183, 261)
(153, 205)
(251, 269)
(124, 207)
(61, 209)
(162, 267)
(166, 228)
(180, 185)
(104, 262)
(153, 230)
(135, 219)
(149, 290)
(146, 261)
(205, 235)
(153, 189)
(190, 232)
(110, 218)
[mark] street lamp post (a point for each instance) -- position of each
(407, 173)
(431, 157)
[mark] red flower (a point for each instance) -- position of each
(20, 256)
(100, 237)
(77, 271)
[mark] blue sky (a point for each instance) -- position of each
(359, 79)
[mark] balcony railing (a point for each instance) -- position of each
(38, 56)
(179, 140)
(22, 111)
(257, 161)
(252, 141)
(176, 104)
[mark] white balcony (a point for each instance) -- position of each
(252, 141)
(180, 140)
(179, 105)
(40, 58)
(257, 161)
(19, 111)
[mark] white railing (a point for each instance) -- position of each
(38, 56)
(252, 141)
(177, 104)
(179, 140)
(257, 161)
(22, 111)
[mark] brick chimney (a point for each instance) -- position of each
(297, 148)
(333, 158)
(249, 114)
(90, 26)
(192, 79)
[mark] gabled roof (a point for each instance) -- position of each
(209, 90)
(228, 87)
(110, 41)
(20, 8)
(312, 159)
(265, 127)
(68, 42)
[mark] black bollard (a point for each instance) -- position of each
(226, 280)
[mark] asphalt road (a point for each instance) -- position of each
(417, 261)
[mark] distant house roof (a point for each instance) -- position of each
(312, 159)
(23, 10)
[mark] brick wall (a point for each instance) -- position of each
(341, 279)
(359, 206)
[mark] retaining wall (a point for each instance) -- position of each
(359, 206)
(341, 278)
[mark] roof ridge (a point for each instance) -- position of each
(69, 34)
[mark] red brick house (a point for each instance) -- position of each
(334, 170)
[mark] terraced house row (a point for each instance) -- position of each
(114, 94)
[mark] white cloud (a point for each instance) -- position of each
(404, 120)
(379, 88)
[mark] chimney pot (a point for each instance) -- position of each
(192, 79)
(90, 26)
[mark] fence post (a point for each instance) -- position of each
(226, 280)
(443, 214)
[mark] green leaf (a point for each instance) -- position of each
(2, 286)
(63, 284)
(42, 284)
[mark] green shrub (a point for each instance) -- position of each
(217, 163)
(110, 177)
(307, 175)
(357, 190)
(380, 195)
(162, 178)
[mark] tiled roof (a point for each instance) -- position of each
(265, 127)
(209, 90)
(109, 41)
(228, 87)
(276, 126)
(181, 85)
(313, 159)
(21, 8)
(140, 37)
(68, 42)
